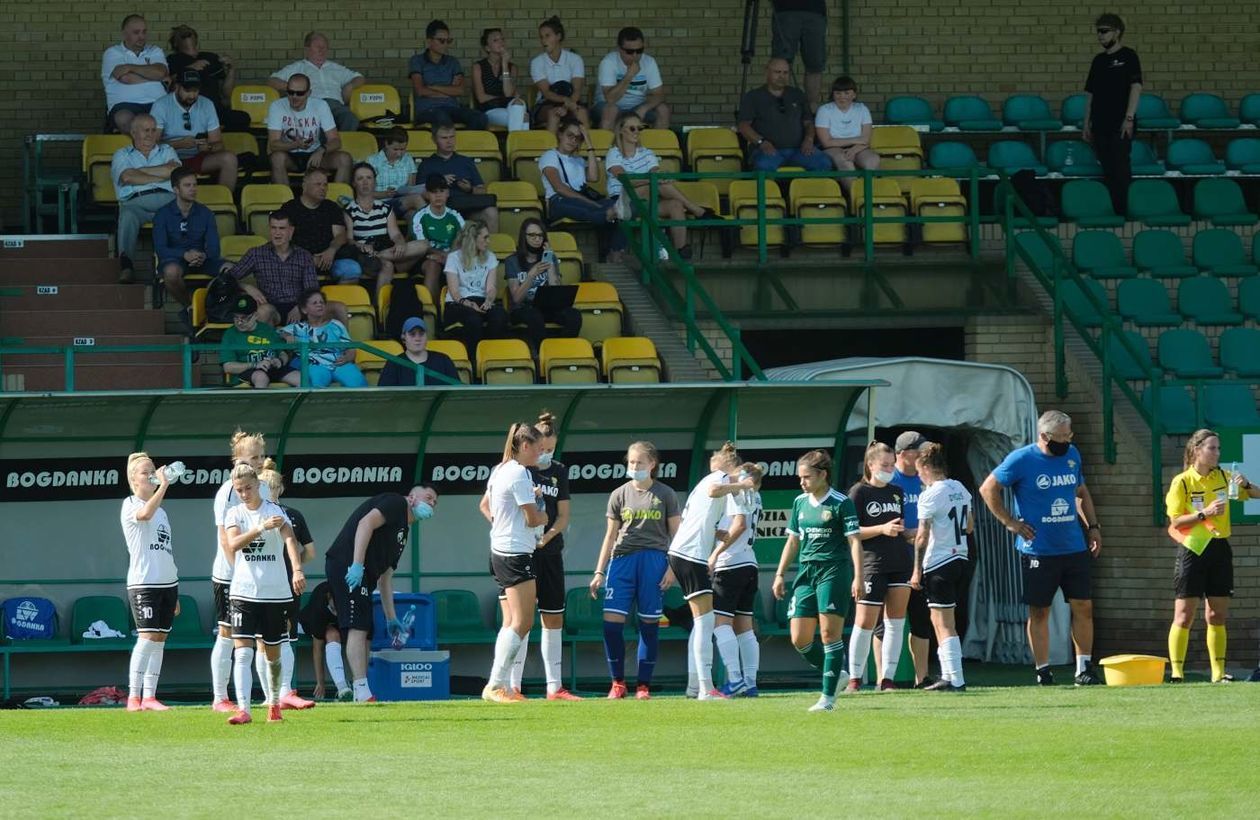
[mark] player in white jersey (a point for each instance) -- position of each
(733, 565)
(689, 560)
(942, 558)
(246, 448)
(152, 578)
(258, 533)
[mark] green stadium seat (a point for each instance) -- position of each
(1143, 162)
(1144, 302)
(1101, 255)
(1220, 201)
(1240, 351)
(911, 111)
(1029, 112)
(1078, 305)
(1193, 156)
(1072, 112)
(583, 615)
(1123, 362)
(767, 625)
(1088, 203)
(1072, 158)
(1249, 109)
(1014, 155)
(1153, 202)
(1219, 252)
(1161, 255)
(954, 158)
(1205, 299)
(535, 632)
(459, 619)
(108, 608)
(967, 112)
(1255, 249)
(1249, 298)
(187, 630)
(1229, 404)
(1153, 113)
(1035, 247)
(1176, 409)
(1243, 155)
(1207, 111)
(1187, 355)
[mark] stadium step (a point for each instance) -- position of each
(58, 271)
(53, 297)
(130, 376)
(646, 319)
(82, 323)
(51, 247)
(85, 355)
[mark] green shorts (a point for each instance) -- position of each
(822, 588)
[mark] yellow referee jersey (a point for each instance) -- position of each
(1191, 492)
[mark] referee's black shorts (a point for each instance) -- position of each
(1207, 575)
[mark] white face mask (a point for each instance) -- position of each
(544, 460)
(638, 475)
(883, 477)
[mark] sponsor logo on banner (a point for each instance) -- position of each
(596, 472)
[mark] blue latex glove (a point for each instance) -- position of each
(396, 628)
(354, 576)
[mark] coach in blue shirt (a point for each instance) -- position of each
(1054, 554)
(185, 236)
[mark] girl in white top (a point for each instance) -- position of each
(843, 129)
(560, 76)
(152, 578)
(471, 288)
(733, 565)
(514, 509)
(627, 155)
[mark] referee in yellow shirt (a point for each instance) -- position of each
(1198, 515)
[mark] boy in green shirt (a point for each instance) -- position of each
(254, 362)
(438, 225)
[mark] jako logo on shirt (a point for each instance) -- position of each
(874, 508)
(1045, 482)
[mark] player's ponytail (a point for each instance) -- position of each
(244, 471)
(546, 424)
(519, 434)
(874, 452)
(816, 460)
(242, 444)
(133, 463)
(273, 478)
(1193, 444)
(727, 456)
(932, 456)
(754, 472)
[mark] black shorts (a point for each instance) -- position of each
(549, 572)
(267, 621)
(1043, 575)
(354, 607)
(153, 608)
(222, 609)
(946, 584)
(735, 591)
(274, 374)
(511, 570)
(1209, 575)
(692, 577)
(918, 617)
(876, 583)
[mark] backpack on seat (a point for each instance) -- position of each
(29, 618)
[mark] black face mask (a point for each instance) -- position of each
(1058, 448)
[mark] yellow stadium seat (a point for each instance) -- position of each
(458, 354)
(483, 148)
(372, 363)
(564, 246)
(601, 311)
(98, 153)
(258, 201)
(504, 361)
(664, 143)
(241, 143)
(254, 100)
(899, 149)
(937, 196)
(523, 150)
(631, 360)
(715, 150)
(888, 201)
(218, 198)
(359, 305)
(502, 245)
(743, 198)
(816, 198)
(426, 304)
(374, 100)
(517, 201)
(339, 190)
(568, 361)
(232, 248)
(201, 324)
(358, 144)
(420, 144)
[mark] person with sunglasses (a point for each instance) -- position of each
(301, 133)
(437, 83)
(1112, 91)
(534, 266)
(630, 80)
(188, 123)
(566, 178)
(778, 125)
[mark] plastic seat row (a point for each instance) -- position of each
(1076, 158)
(1158, 253)
(1224, 404)
(1154, 203)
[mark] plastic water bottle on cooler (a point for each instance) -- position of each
(174, 472)
(1234, 483)
(408, 618)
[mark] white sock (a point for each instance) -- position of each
(693, 679)
(728, 648)
(1082, 663)
(518, 664)
(505, 646)
(244, 676)
(154, 669)
(749, 655)
(703, 630)
(275, 673)
(859, 649)
(950, 654)
(286, 668)
(336, 664)
(552, 651)
(139, 664)
(264, 679)
(361, 690)
(894, 639)
(220, 667)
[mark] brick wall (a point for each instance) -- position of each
(909, 46)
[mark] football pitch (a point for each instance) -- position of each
(1014, 751)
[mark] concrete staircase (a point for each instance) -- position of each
(645, 318)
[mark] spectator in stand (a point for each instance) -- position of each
(317, 326)
(374, 233)
(843, 129)
(396, 173)
(282, 270)
(776, 121)
(185, 238)
(438, 225)
(329, 82)
(534, 266)
(133, 73)
(468, 191)
(471, 287)
(248, 352)
(630, 80)
(560, 76)
(319, 226)
(566, 177)
(627, 155)
(437, 83)
(301, 134)
(801, 25)
(434, 368)
(188, 123)
(142, 183)
(218, 74)
(494, 84)
(1112, 92)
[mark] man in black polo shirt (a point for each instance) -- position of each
(468, 190)
(319, 227)
(776, 121)
(1112, 91)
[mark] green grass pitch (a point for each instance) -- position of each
(1009, 752)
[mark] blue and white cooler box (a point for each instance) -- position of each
(410, 674)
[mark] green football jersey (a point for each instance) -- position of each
(439, 231)
(823, 527)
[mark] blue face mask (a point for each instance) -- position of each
(544, 460)
(638, 475)
(422, 510)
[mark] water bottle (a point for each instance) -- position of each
(174, 472)
(1068, 159)
(1234, 483)
(408, 618)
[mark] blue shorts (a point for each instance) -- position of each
(636, 579)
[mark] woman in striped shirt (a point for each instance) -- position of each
(374, 229)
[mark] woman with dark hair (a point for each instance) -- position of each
(534, 266)
(567, 172)
(218, 74)
(843, 129)
(494, 84)
(560, 76)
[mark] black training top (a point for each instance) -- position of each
(554, 482)
(388, 541)
(876, 506)
(1110, 76)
